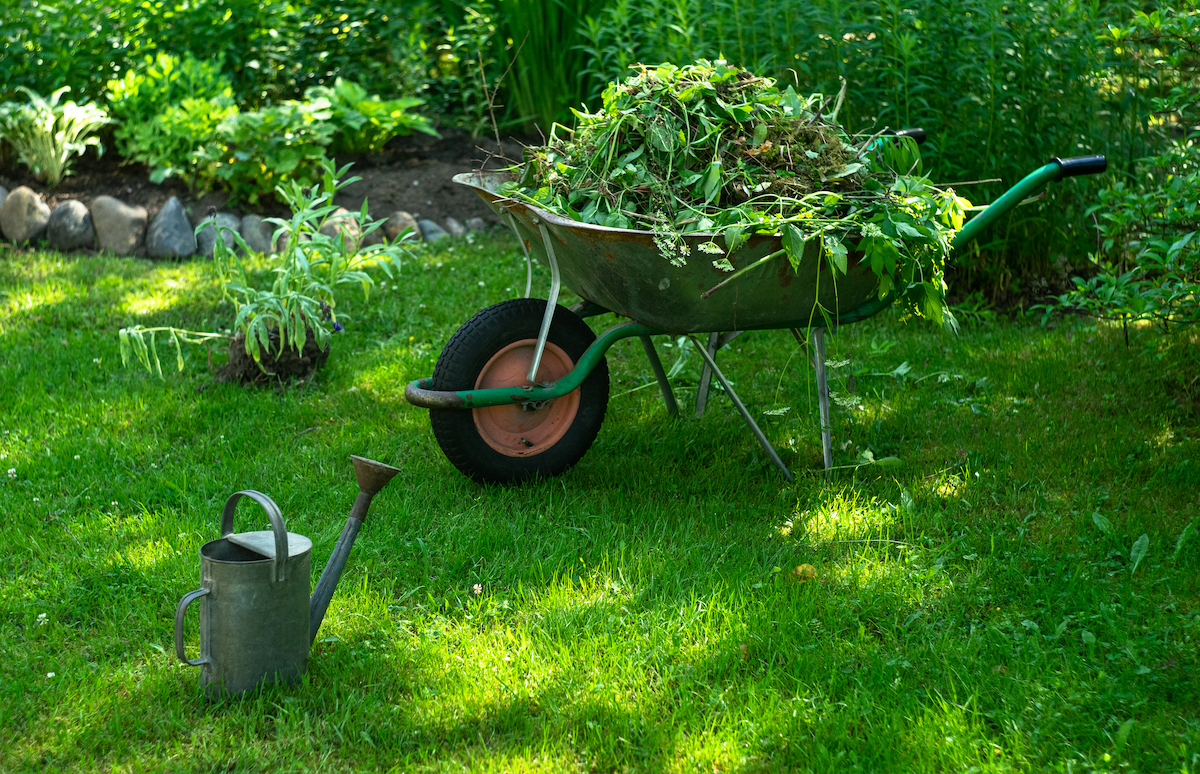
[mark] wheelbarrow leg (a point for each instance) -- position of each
(818, 339)
(716, 342)
(758, 433)
(664, 385)
(706, 374)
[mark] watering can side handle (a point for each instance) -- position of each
(277, 526)
(180, 612)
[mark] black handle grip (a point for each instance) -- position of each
(916, 133)
(1081, 165)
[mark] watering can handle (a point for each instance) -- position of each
(281, 538)
(180, 612)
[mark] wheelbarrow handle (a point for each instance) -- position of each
(917, 133)
(1055, 169)
(1081, 165)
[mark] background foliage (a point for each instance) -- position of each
(1000, 86)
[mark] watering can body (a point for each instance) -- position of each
(254, 618)
(257, 620)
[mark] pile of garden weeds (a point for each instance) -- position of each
(713, 150)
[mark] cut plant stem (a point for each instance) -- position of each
(740, 272)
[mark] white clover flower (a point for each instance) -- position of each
(481, 283)
(712, 248)
(37, 500)
(96, 360)
(41, 619)
(49, 675)
(76, 456)
(477, 589)
(12, 472)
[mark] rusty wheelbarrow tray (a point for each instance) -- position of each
(521, 389)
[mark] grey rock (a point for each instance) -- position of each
(430, 231)
(455, 228)
(339, 224)
(70, 226)
(257, 233)
(373, 238)
(120, 228)
(224, 223)
(23, 215)
(171, 234)
(476, 224)
(398, 223)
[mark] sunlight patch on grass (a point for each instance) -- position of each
(31, 301)
(845, 516)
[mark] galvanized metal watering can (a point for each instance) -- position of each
(256, 618)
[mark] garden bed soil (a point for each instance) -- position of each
(412, 174)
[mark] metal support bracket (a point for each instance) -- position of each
(512, 223)
(551, 304)
(754, 428)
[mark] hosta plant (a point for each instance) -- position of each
(363, 122)
(277, 146)
(158, 84)
(47, 133)
(183, 141)
(293, 316)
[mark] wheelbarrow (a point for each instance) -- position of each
(521, 389)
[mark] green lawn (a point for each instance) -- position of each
(975, 608)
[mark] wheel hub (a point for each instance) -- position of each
(526, 429)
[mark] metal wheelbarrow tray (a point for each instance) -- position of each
(521, 389)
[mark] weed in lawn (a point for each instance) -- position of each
(975, 606)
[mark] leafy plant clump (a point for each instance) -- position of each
(47, 133)
(712, 149)
(364, 121)
(277, 325)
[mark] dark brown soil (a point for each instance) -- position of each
(283, 367)
(412, 174)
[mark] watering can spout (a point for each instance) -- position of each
(372, 476)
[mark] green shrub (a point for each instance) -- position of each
(161, 82)
(184, 141)
(48, 44)
(46, 134)
(363, 122)
(1149, 258)
(269, 147)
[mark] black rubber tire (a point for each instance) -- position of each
(458, 368)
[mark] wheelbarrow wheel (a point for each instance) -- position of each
(515, 443)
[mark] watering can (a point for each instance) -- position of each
(256, 619)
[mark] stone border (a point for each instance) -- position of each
(122, 229)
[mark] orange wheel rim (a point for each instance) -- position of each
(521, 430)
